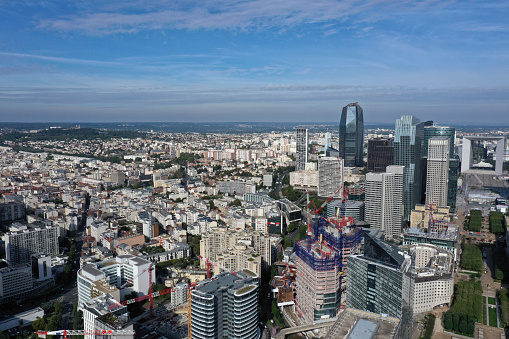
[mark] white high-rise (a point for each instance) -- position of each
(384, 200)
(437, 177)
(301, 149)
(330, 177)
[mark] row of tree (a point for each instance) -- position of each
(503, 298)
(497, 223)
(468, 298)
(471, 257)
(475, 221)
(459, 323)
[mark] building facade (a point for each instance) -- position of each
(330, 177)
(301, 154)
(437, 174)
(380, 154)
(226, 306)
(408, 142)
(384, 201)
(22, 244)
(351, 135)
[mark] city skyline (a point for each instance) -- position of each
(252, 61)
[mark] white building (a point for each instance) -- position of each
(98, 316)
(304, 179)
(22, 244)
(301, 155)
(433, 280)
(330, 177)
(15, 281)
(384, 200)
(127, 271)
(437, 176)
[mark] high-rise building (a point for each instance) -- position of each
(321, 266)
(21, 244)
(384, 201)
(12, 210)
(330, 177)
(15, 282)
(108, 276)
(351, 135)
(380, 154)
(408, 139)
(437, 174)
(301, 156)
(379, 279)
(454, 163)
(226, 306)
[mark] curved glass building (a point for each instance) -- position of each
(351, 135)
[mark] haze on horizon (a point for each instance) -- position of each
(258, 60)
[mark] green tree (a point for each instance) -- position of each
(235, 202)
(463, 326)
(448, 324)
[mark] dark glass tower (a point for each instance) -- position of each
(351, 135)
(408, 140)
(380, 154)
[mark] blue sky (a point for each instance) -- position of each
(260, 60)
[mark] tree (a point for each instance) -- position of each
(470, 328)
(236, 202)
(448, 324)
(463, 326)
(293, 226)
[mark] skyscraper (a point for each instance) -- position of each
(379, 279)
(380, 154)
(21, 244)
(330, 177)
(301, 156)
(384, 200)
(437, 174)
(351, 135)
(226, 306)
(450, 133)
(408, 139)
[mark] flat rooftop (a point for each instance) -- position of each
(356, 324)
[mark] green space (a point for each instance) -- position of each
(503, 299)
(484, 314)
(492, 312)
(468, 298)
(500, 263)
(471, 258)
(459, 323)
(430, 325)
(474, 221)
(497, 223)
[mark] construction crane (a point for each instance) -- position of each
(67, 333)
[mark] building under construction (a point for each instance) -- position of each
(321, 266)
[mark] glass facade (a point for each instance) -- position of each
(351, 135)
(408, 141)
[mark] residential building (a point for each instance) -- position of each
(408, 143)
(301, 154)
(15, 282)
(226, 306)
(380, 154)
(437, 174)
(384, 201)
(304, 179)
(330, 177)
(118, 277)
(351, 135)
(103, 314)
(11, 211)
(20, 245)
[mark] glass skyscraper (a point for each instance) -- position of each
(351, 135)
(408, 140)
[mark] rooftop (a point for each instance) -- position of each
(355, 324)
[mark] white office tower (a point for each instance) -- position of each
(330, 177)
(118, 277)
(101, 314)
(437, 177)
(384, 201)
(301, 156)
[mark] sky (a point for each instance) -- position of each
(254, 60)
